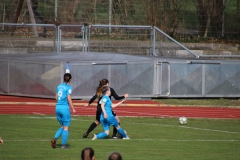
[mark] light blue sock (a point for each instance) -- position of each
(101, 135)
(64, 137)
(58, 133)
(121, 131)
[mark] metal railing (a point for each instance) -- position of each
(28, 38)
(124, 39)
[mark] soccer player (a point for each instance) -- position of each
(103, 82)
(63, 104)
(107, 118)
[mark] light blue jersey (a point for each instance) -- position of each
(110, 120)
(63, 90)
(108, 105)
(62, 105)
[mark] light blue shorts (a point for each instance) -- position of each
(63, 116)
(110, 121)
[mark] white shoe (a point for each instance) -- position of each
(94, 137)
(126, 137)
(115, 137)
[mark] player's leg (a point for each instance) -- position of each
(114, 123)
(94, 124)
(66, 123)
(104, 134)
(59, 131)
(114, 135)
(65, 136)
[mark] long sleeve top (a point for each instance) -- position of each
(113, 94)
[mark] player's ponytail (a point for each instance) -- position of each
(99, 92)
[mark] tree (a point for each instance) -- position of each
(209, 13)
(163, 14)
(68, 10)
(122, 11)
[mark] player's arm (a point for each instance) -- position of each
(91, 100)
(117, 104)
(103, 110)
(1, 140)
(71, 103)
(56, 97)
(102, 102)
(116, 97)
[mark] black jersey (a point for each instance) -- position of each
(113, 94)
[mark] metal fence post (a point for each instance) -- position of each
(84, 37)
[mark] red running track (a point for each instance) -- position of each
(141, 108)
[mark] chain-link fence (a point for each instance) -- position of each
(188, 19)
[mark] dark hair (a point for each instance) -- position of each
(103, 82)
(67, 77)
(87, 153)
(104, 89)
(115, 156)
(99, 90)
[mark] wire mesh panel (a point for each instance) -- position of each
(187, 20)
(134, 40)
(72, 37)
(166, 46)
(28, 38)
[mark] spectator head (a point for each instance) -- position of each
(115, 156)
(87, 154)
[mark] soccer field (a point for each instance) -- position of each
(27, 137)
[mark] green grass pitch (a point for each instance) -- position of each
(27, 137)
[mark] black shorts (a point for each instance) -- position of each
(99, 111)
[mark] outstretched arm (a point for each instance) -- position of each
(116, 97)
(91, 100)
(117, 104)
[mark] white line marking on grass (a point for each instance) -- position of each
(214, 130)
(38, 113)
(187, 140)
(204, 129)
(42, 117)
(161, 140)
(144, 114)
(73, 119)
(187, 127)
